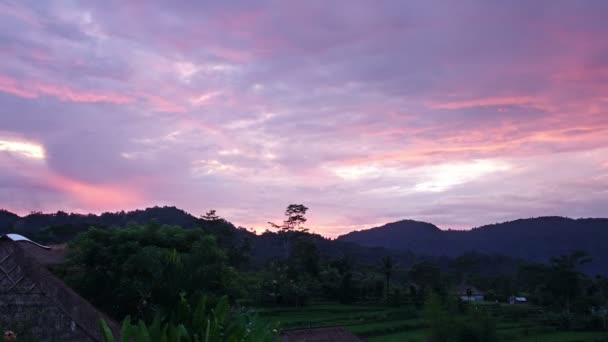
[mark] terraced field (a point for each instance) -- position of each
(382, 324)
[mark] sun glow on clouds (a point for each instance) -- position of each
(445, 176)
(226, 91)
(84, 195)
(435, 178)
(95, 196)
(26, 149)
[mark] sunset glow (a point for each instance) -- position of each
(25, 149)
(366, 112)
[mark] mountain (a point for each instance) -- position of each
(7, 219)
(535, 239)
(60, 226)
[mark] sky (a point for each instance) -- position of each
(458, 113)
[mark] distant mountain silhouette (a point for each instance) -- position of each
(535, 239)
(60, 226)
(8, 219)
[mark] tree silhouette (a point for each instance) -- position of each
(292, 225)
(565, 277)
(295, 219)
(211, 216)
(387, 269)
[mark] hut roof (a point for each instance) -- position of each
(28, 273)
(327, 334)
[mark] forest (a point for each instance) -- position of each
(211, 281)
(167, 276)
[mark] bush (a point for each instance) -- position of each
(199, 324)
(450, 326)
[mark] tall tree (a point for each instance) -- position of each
(295, 219)
(565, 277)
(292, 225)
(387, 269)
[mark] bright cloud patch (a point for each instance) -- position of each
(445, 176)
(26, 149)
(356, 172)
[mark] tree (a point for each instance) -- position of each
(565, 279)
(304, 259)
(295, 219)
(446, 325)
(292, 225)
(140, 270)
(426, 275)
(211, 216)
(387, 269)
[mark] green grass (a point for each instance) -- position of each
(564, 337)
(328, 315)
(383, 324)
(406, 336)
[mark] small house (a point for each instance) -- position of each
(518, 300)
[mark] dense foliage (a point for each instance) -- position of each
(450, 321)
(142, 270)
(201, 323)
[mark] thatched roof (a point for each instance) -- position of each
(328, 334)
(54, 255)
(24, 272)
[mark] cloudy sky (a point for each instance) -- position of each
(459, 113)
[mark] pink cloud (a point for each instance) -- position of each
(11, 86)
(34, 89)
(482, 102)
(98, 196)
(161, 104)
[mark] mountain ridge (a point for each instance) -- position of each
(533, 239)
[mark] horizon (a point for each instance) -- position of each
(455, 114)
(313, 228)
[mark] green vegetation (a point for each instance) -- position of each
(143, 270)
(382, 323)
(199, 324)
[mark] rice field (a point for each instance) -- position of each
(382, 324)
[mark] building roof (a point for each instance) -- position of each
(24, 271)
(45, 255)
(327, 334)
(17, 237)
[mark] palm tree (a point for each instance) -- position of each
(566, 277)
(387, 269)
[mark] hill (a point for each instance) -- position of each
(60, 226)
(534, 239)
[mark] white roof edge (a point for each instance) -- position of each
(17, 237)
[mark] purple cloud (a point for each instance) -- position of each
(459, 114)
